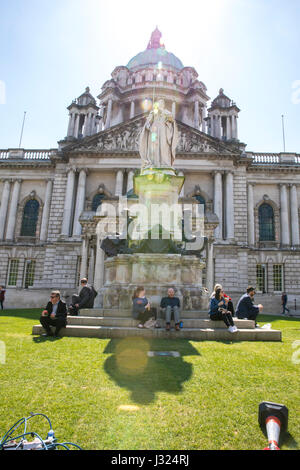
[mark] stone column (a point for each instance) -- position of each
(251, 231)
(79, 202)
(294, 215)
(86, 125)
(99, 267)
(132, 109)
(204, 114)
(76, 126)
(108, 116)
(4, 206)
(119, 183)
(130, 180)
(218, 203)
(196, 115)
(46, 212)
(68, 203)
(210, 265)
(182, 190)
(228, 128)
(13, 210)
(229, 206)
(174, 109)
(71, 125)
(218, 130)
(234, 127)
(212, 126)
(91, 265)
(284, 215)
(84, 257)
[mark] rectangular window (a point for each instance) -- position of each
(29, 273)
(278, 277)
(13, 272)
(261, 278)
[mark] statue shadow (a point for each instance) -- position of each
(130, 367)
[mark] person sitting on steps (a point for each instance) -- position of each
(169, 305)
(230, 306)
(141, 308)
(85, 299)
(219, 310)
(246, 309)
(55, 314)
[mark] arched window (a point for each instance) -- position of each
(200, 200)
(266, 223)
(97, 201)
(30, 218)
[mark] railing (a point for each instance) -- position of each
(266, 158)
(4, 154)
(37, 155)
(21, 154)
(274, 158)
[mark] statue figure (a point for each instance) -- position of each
(159, 138)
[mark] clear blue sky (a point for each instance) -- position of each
(50, 50)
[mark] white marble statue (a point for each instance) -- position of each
(159, 138)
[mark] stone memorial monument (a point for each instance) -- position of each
(157, 259)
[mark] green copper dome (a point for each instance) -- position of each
(154, 54)
(153, 57)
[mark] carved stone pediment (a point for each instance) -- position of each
(125, 138)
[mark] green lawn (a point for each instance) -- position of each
(206, 399)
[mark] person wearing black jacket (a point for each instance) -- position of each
(55, 314)
(245, 308)
(85, 299)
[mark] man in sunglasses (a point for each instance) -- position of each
(55, 314)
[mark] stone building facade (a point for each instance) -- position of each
(49, 197)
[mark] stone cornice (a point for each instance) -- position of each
(27, 164)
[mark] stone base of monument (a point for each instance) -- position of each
(156, 273)
(99, 323)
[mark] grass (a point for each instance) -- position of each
(107, 394)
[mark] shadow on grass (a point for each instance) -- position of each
(43, 339)
(30, 313)
(130, 367)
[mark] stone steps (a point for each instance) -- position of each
(200, 334)
(99, 312)
(127, 322)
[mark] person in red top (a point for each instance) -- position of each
(2, 296)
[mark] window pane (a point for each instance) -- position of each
(266, 223)
(261, 278)
(277, 277)
(29, 273)
(30, 218)
(13, 272)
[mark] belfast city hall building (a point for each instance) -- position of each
(50, 197)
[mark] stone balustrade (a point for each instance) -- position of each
(21, 154)
(274, 158)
